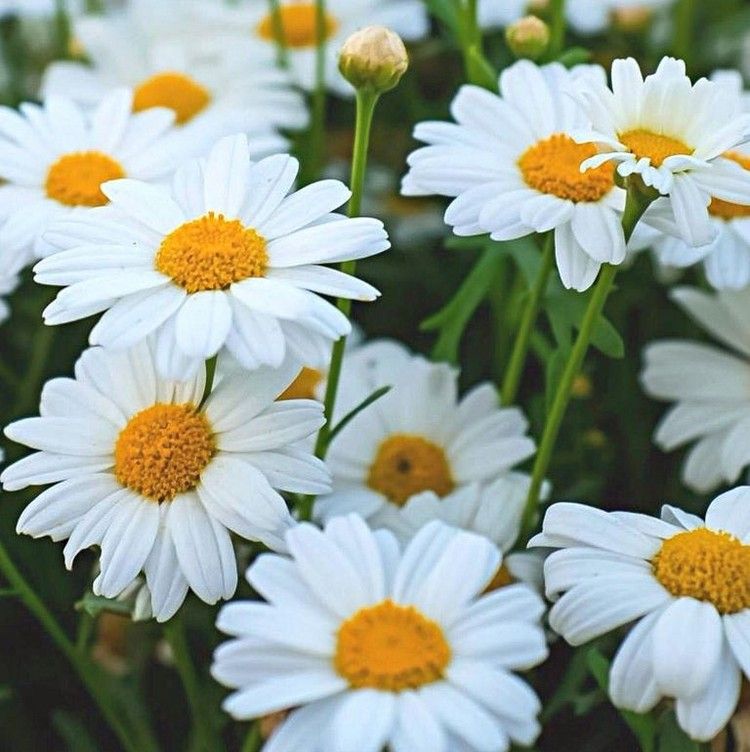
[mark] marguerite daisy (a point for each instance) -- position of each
(514, 169)
(239, 91)
(709, 385)
(375, 648)
(418, 437)
(673, 134)
(686, 585)
(226, 258)
(157, 477)
(54, 158)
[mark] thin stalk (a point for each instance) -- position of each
(32, 381)
(514, 371)
(557, 28)
(316, 134)
(636, 205)
(208, 736)
(62, 29)
(87, 673)
(282, 56)
(253, 740)
(684, 27)
(86, 625)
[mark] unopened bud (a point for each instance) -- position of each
(632, 19)
(528, 37)
(373, 58)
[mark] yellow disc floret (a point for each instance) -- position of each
(706, 565)
(76, 178)
(406, 464)
(554, 166)
(725, 209)
(654, 146)
(163, 450)
(211, 253)
(392, 648)
(299, 25)
(176, 91)
(303, 387)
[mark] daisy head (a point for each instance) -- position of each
(514, 169)
(212, 93)
(158, 475)
(418, 437)
(375, 647)
(685, 585)
(679, 137)
(709, 385)
(54, 158)
(224, 259)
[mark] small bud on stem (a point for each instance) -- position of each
(528, 37)
(373, 58)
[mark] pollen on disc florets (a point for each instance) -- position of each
(407, 464)
(303, 387)
(176, 91)
(707, 565)
(553, 166)
(75, 179)
(163, 450)
(211, 253)
(392, 648)
(657, 147)
(299, 25)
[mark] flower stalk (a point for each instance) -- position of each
(316, 134)
(282, 56)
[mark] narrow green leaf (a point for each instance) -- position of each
(374, 397)
(93, 605)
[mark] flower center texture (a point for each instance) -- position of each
(725, 209)
(406, 465)
(163, 450)
(654, 146)
(706, 565)
(303, 387)
(554, 166)
(299, 24)
(211, 253)
(76, 178)
(391, 648)
(176, 91)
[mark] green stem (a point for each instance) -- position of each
(253, 740)
(514, 371)
(684, 27)
(87, 673)
(557, 28)
(282, 56)
(209, 739)
(62, 30)
(86, 626)
(316, 134)
(28, 395)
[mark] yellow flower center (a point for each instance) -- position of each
(163, 450)
(76, 178)
(299, 24)
(708, 566)
(391, 648)
(406, 465)
(554, 166)
(176, 91)
(303, 387)
(654, 146)
(211, 253)
(725, 209)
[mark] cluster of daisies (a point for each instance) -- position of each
(151, 184)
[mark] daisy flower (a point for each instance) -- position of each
(408, 18)
(158, 478)
(54, 158)
(224, 258)
(683, 582)
(211, 95)
(375, 647)
(674, 135)
(709, 385)
(418, 437)
(513, 167)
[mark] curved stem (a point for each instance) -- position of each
(521, 345)
(174, 631)
(86, 671)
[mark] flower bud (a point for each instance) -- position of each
(528, 37)
(633, 19)
(373, 58)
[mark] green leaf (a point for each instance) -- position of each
(574, 56)
(93, 605)
(672, 738)
(74, 733)
(374, 397)
(445, 11)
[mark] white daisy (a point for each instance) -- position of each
(408, 18)
(710, 385)
(375, 648)
(54, 158)
(226, 258)
(514, 169)
(141, 467)
(212, 95)
(686, 585)
(673, 134)
(418, 437)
